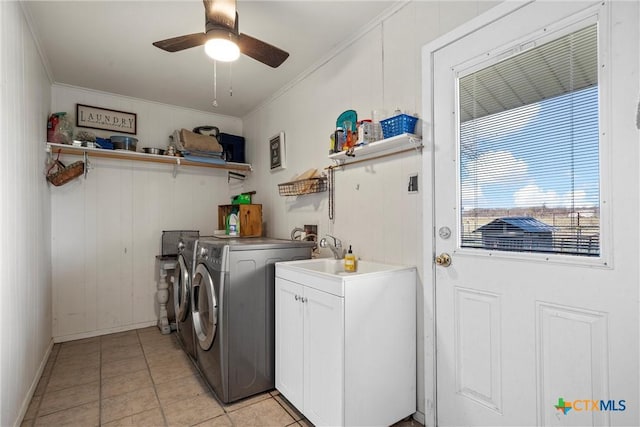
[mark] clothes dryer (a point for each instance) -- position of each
(233, 304)
(182, 293)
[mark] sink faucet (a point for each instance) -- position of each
(336, 247)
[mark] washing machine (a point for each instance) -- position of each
(233, 309)
(182, 293)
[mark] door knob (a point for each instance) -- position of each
(443, 260)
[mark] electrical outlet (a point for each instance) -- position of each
(412, 187)
(311, 229)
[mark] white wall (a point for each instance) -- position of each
(373, 211)
(97, 287)
(107, 228)
(25, 256)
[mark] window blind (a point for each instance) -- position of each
(528, 146)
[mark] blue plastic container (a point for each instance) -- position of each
(397, 125)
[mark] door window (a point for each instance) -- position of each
(528, 144)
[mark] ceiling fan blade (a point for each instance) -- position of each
(176, 44)
(221, 12)
(261, 51)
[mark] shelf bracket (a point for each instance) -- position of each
(175, 167)
(235, 175)
(338, 163)
(417, 143)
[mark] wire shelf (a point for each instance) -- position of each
(303, 186)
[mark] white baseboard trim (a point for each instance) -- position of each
(34, 385)
(419, 417)
(91, 334)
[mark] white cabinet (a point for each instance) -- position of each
(309, 347)
(347, 356)
(289, 346)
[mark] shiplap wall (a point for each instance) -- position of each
(25, 256)
(107, 228)
(374, 212)
(128, 205)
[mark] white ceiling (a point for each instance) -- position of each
(106, 46)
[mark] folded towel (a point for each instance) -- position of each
(203, 159)
(188, 141)
(214, 154)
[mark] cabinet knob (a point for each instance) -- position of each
(296, 297)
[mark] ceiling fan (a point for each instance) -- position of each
(222, 40)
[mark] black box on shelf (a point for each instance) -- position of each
(233, 147)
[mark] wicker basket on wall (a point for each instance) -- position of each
(59, 174)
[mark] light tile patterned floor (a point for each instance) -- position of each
(142, 378)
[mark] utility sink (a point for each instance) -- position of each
(336, 266)
(327, 274)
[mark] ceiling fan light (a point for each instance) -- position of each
(222, 49)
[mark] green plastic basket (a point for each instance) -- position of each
(241, 199)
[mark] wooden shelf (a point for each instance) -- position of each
(384, 147)
(142, 157)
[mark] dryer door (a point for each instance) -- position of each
(204, 306)
(181, 287)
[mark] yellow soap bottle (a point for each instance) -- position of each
(350, 261)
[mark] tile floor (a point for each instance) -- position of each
(142, 378)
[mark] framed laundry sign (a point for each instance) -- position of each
(277, 152)
(106, 119)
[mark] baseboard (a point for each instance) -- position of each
(91, 334)
(34, 385)
(419, 417)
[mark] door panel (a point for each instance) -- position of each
(519, 333)
(572, 340)
(477, 334)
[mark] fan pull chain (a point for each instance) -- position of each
(230, 79)
(215, 83)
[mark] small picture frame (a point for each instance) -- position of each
(277, 152)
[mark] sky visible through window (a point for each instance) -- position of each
(526, 157)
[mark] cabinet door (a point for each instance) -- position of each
(250, 220)
(289, 344)
(323, 358)
(249, 217)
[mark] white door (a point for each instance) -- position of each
(526, 335)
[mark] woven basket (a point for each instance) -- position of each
(60, 174)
